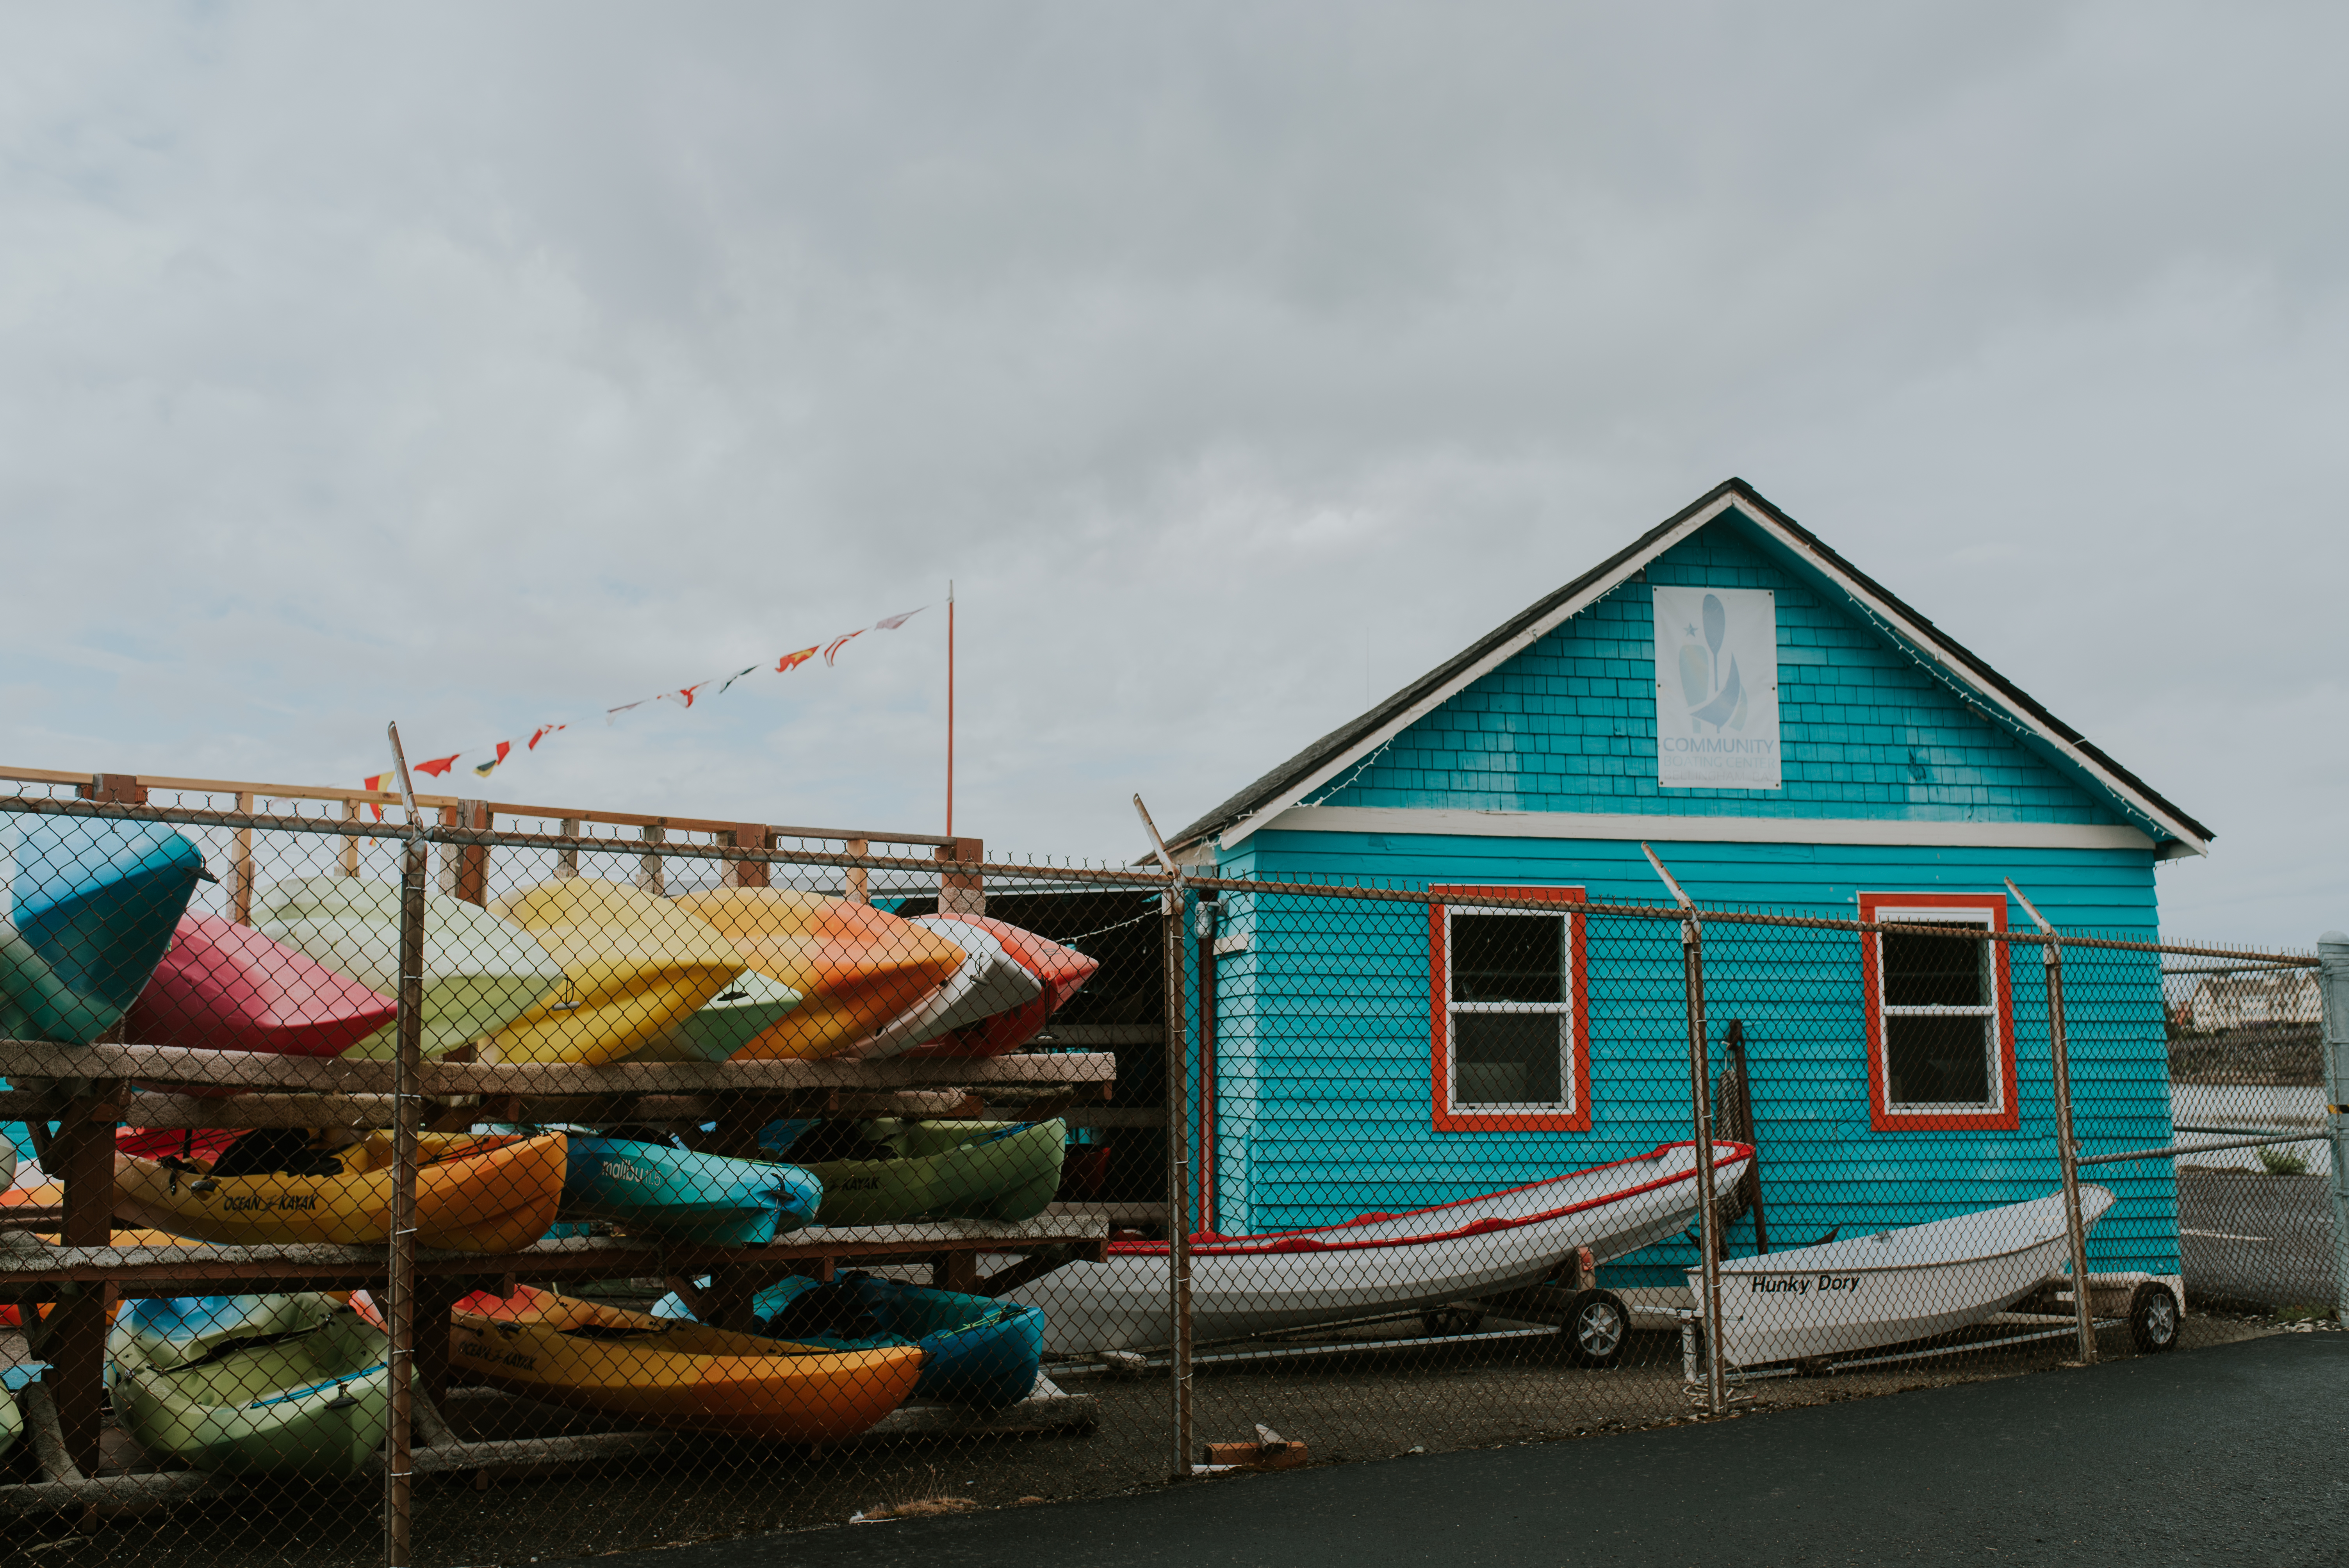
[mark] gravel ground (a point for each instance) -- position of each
(1362, 1406)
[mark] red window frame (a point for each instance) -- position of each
(2007, 1115)
(1439, 987)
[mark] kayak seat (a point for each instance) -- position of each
(274, 1152)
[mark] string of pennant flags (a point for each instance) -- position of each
(684, 696)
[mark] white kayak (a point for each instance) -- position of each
(1249, 1285)
(989, 981)
(1894, 1286)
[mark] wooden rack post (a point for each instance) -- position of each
(749, 873)
(962, 892)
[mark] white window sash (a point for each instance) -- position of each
(1994, 1039)
(1563, 1011)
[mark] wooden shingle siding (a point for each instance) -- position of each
(1570, 724)
(1323, 1049)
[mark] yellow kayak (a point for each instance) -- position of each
(676, 1373)
(634, 969)
(857, 968)
(474, 1193)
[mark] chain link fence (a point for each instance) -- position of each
(507, 1184)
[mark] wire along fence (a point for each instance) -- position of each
(480, 1184)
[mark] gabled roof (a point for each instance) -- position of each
(1350, 743)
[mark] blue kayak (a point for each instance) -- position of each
(96, 901)
(662, 1190)
(975, 1350)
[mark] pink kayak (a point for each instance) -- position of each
(222, 987)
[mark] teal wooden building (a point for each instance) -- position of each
(1788, 736)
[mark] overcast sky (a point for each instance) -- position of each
(480, 365)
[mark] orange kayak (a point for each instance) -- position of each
(857, 968)
(474, 1193)
(675, 1373)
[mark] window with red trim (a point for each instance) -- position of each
(1940, 1014)
(1509, 1012)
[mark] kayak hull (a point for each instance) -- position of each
(975, 1350)
(1005, 1172)
(1379, 1263)
(222, 986)
(473, 1194)
(683, 1375)
(634, 970)
(1060, 971)
(988, 982)
(1894, 1286)
(734, 1017)
(315, 1404)
(855, 967)
(657, 1189)
(94, 905)
(481, 972)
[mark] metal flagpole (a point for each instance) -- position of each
(950, 704)
(2067, 1150)
(1716, 1387)
(399, 1286)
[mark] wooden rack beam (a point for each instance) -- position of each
(156, 1064)
(31, 1271)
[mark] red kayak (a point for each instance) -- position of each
(225, 987)
(1060, 970)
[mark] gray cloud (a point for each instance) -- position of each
(480, 365)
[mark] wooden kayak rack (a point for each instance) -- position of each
(87, 1091)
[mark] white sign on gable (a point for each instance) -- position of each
(1716, 689)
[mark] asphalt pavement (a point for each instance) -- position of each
(2237, 1454)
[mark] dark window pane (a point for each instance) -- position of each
(1506, 1059)
(1935, 971)
(1508, 958)
(1938, 1061)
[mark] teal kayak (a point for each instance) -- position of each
(975, 1350)
(96, 901)
(656, 1188)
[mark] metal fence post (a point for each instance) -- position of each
(2067, 1149)
(1178, 1174)
(1708, 1217)
(1171, 935)
(2332, 977)
(400, 1285)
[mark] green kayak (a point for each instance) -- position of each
(725, 1023)
(1002, 1171)
(275, 1385)
(481, 972)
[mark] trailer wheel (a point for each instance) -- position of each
(2152, 1318)
(1597, 1328)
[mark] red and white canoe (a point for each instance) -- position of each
(1249, 1285)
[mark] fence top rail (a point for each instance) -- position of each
(246, 789)
(1122, 877)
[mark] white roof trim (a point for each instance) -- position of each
(1407, 819)
(1916, 636)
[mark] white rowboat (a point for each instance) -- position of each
(1894, 1286)
(1247, 1285)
